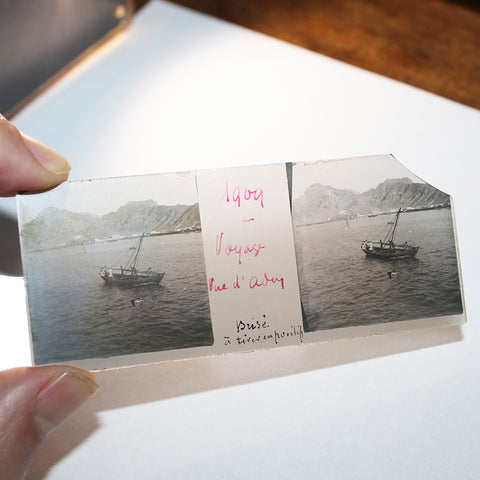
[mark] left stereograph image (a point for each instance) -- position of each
(115, 267)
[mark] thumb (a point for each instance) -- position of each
(26, 164)
(33, 401)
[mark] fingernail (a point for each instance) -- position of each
(47, 157)
(60, 398)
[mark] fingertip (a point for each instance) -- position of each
(47, 157)
(59, 398)
(33, 401)
(26, 164)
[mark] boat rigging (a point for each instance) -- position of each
(129, 274)
(387, 248)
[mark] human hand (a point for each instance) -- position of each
(33, 400)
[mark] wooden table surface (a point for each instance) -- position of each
(431, 44)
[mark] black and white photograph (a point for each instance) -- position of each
(374, 244)
(115, 267)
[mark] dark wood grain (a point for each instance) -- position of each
(431, 44)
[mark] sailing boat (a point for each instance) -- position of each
(388, 248)
(128, 274)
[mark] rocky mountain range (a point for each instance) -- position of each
(322, 203)
(58, 227)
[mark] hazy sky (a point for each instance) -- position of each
(359, 174)
(107, 195)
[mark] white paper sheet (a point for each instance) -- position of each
(180, 91)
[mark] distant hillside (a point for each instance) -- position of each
(57, 227)
(404, 193)
(322, 203)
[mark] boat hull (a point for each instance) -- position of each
(390, 252)
(131, 279)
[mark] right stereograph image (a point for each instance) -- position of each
(374, 244)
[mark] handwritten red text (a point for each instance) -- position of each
(266, 281)
(239, 250)
(238, 195)
(214, 287)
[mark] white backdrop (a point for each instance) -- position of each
(180, 91)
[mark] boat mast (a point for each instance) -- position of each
(135, 258)
(395, 225)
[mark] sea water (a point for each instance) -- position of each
(74, 314)
(340, 286)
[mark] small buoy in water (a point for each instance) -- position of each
(391, 274)
(134, 301)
